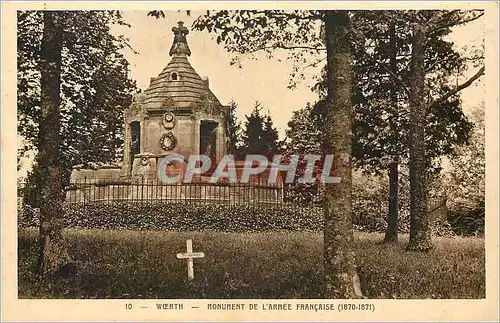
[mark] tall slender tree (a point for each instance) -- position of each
(420, 234)
(53, 249)
(391, 234)
(341, 277)
(72, 87)
(421, 101)
(249, 31)
(382, 53)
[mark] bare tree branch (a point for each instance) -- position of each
(474, 58)
(434, 64)
(454, 23)
(314, 64)
(397, 78)
(444, 16)
(278, 46)
(293, 15)
(457, 89)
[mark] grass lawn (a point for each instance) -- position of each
(143, 264)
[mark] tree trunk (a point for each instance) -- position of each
(420, 234)
(341, 279)
(391, 234)
(53, 251)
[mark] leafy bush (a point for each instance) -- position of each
(367, 218)
(27, 216)
(467, 221)
(208, 216)
(186, 217)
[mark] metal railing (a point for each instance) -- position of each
(144, 189)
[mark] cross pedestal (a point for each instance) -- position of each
(190, 255)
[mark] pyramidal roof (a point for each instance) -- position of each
(178, 83)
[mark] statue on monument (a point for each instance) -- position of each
(180, 32)
(180, 45)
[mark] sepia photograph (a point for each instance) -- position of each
(200, 159)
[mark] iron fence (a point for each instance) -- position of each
(144, 189)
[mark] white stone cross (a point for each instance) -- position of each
(190, 255)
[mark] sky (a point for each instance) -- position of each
(264, 80)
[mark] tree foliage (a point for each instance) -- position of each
(381, 130)
(94, 90)
(381, 125)
(464, 183)
(72, 85)
(246, 33)
(259, 135)
(467, 175)
(382, 55)
(305, 135)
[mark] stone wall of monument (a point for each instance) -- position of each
(183, 131)
(103, 174)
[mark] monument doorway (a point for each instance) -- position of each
(135, 140)
(208, 139)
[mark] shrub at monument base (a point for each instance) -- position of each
(187, 216)
(143, 264)
(207, 216)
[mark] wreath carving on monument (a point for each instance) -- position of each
(168, 120)
(168, 141)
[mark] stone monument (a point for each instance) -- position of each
(177, 113)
